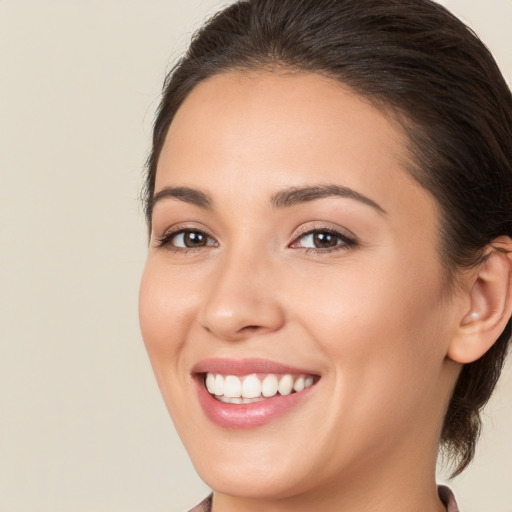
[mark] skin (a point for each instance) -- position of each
(372, 318)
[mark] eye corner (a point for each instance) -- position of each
(332, 239)
(185, 239)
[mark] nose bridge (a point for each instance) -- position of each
(241, 298)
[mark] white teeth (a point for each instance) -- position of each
(210, 383)
(269, 386)
(251, 388)
(252, 400)
(243, 390)
(299, 384)
(219, 385)
(232, 387)
(285, 385)
(238, 400)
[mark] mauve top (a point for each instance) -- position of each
(445, 494)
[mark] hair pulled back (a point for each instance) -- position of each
(417, 60)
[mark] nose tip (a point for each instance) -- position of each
(230, 326)
(239, 307)
(236, 322)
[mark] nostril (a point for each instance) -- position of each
(230, 316)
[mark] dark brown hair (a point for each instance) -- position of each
(413, 58)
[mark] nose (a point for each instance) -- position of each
(242, 299)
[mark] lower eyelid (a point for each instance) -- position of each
(167, 239)
(344, 240)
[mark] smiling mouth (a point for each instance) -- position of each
(246, 389)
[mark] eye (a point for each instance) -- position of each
(189, 239)
(323, 240)
(186, 239)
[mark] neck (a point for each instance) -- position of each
(397, 481)
(396, 477)
(401, 495)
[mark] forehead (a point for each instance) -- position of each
(245, 129)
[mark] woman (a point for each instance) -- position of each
(327, 294)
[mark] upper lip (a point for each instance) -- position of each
(246, 366)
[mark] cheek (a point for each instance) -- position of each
(384, 331)
(167, 305)
(165, 314)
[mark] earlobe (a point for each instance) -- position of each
(490, 305)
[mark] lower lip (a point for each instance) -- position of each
(242, 416)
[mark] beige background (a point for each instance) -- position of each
(82, 425)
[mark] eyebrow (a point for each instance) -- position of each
(297, 195)
(185, 194)
(282, 199)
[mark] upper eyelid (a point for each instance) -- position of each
(303, 230)
(344, 239)
(347, 238)
(165, 241)
(311, 228)
(183, 227)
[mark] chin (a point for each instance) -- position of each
(261, 463)
(251, 479)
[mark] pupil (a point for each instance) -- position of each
(194, 239)
(323, 240)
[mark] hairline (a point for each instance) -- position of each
(397, 116)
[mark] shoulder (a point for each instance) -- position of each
(204, 506)
(447, 498)
(445, 494)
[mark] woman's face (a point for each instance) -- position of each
(291, 248)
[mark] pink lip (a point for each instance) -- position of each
(244, 416)
(246, 367)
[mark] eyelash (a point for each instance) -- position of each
(346, 242)
(166, 240)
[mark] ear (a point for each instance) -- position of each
(490, 304)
